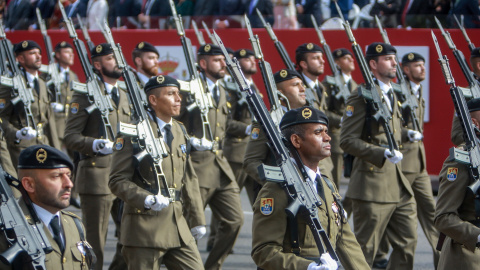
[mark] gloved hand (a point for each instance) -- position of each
(326, 263)
(414, 136)
(57, 107)
(198, 232)
(156, 202)
(26, 133)
(201, 144)
(248, 130)
(106, 149)
(394, 157)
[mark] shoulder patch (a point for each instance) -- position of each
(266, 206)
(255, 133)
(74, 108)
(452, 174)
(2, 103)
(119, 144)
(349, 110)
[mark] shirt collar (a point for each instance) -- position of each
(310, 83)
(64, 70)
(31, 77)
(346, 78)
(162, 124)
(143, 78)
(415, 88)
(44, 215)
(210, 84)
(109, 87)
(385, 87)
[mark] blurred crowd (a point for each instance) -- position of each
(285, 14)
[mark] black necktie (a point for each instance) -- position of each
(390, 97)
(216, 96)
(36, 86)
(55, 225)
(320, 190)
(349, 85)
(115, 96)
(67, 77)
(168, 135)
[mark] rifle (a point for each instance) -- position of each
(90, 44)
(471, 154)
(20, 92)
(4, 70)
(199, 34)
(96, 96)
(276, 110)
(410, 102)
(198, 97)
(55, 82)
(304, 198)
(154, 147)
(369, 92)
(471, 46)
(473, 90)
(23, 237)
(310, 96)
(208, 33)
(342, 89)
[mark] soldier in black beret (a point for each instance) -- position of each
(291, 87)
(209, 49)
(62, 45)
(475, 62)
(341, 52)
(378, 49)
(26, 45)
(145, 57)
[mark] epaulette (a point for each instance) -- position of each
(68, 213)
(330, 80)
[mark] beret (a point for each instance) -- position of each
(475, 52)
(412, 57)
(379, 49)
(62, 45)
(341, 52)
(160, 81)
(229, 50)
(285, 75)
(25, 45)
(43, 157)
(101, 50)
(308, 48)
(473, 105)
(209, 49)
(146, 47)
(303, 115)
(243, 53)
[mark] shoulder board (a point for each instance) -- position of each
(330, 80)
(122, 85)
(68, 213)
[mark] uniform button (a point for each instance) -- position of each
(218, 110)
(218, 124)
(174, 169)
(217, 139)
(371, 169)
(64, 260)
(118, 111)
(394, 130)
(139, 211)
(174, 185)
(93, 163)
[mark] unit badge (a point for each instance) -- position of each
(255, 133)
(119, 144)
(74, 108)
(452, 174)
(266, 206)
(2, 103)
(349, 110)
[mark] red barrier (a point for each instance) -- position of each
(437, 130)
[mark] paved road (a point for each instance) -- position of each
(241, 259)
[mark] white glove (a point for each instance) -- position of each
(248, 130)
(201, 144)
(26, 133)
(395, 157)
(326, 263)
(156, 203)
(414, 136)
(198, 232)
(57, 107)
(106, 149)
(478, 238)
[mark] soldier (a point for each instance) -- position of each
(84, 133)
(145, 244)
(216, 179)
(44, 173)
(456, 215)
(382, 196)
(145, 57)
(345, 63)
(18, 135)
(273, 240)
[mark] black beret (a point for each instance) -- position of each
(229, 50)
(285, 75)
(43, 157)
(62, 45)
(412, 57)
(243, 53)
(209, 49)
(26, 45)
(475, 52)
(308, 48)
(146, 47)
(303, 115)
(473, 105)
(379, 48)
(161, 81)
(101, 50)
(341, 52)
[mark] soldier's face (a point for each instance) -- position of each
(385, 68)
(294, 91)
(149, 63)
(248, 65)
(166, 102)
(314, 145)
(346, 63)
(315, 63)
(65, 56)
(31, 59)
(214, 66)
(109, 67)
(415, 71)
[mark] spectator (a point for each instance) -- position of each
(77, 7)
(417, 13)
(306, 8)
(127, 11)
(206, 7)
(288, 13)
(154, 8)
(469, 9)
(19, 15)
(185, 7)
(387, 11)
(345, 7)
(264, 6)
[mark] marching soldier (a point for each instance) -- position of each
(84, 133)
(13, 118)
(280, 242)
(216, 179)
(146, 245)
(456, 215)
(44, 173)
(145, 57)
(382, 196)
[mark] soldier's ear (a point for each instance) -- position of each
(296, 141)
(203, 64)
(303, 65)
(28, 184)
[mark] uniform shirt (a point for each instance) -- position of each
(30, 78)
(144, 79)
(311, 84)
(211, 87)
(385, 89)
(346, 78)
(45, 216)
(415, 88)
(64, 72)
(161, 126)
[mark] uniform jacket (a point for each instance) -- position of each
(66, 99)
(455, 208)
(373, 178)
(81, 130)
(167, 228)
(272, 241)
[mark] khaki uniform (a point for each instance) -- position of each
(92, 173)
(272, 242)
(382, 196)
(216, 179)
(172, 242)
(66, 99)
(13, 119)
(70, 259)
(335, 111)
(453, 217)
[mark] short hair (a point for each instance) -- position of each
(295, 129)
(135, 54)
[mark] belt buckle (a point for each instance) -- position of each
(215, 147)
(171, 191)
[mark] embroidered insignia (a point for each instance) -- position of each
(379, 48)
(160, 79)
(41, 155)
(349, 110)
(25, 44)
(98, 49)
(207, 48)
(334, 207)
(255, 133)
(309, 46)
(410, 56)
(2, 103)
(452, 174)
(140, 45)
(283, 73)
(74, 108)
(243, 52)
(184, 148)
(119, 144)
(339, 53)
(266, 206)
(306, 113)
